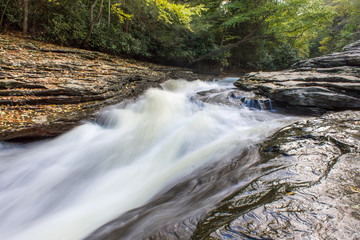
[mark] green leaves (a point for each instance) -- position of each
(116, 9)
(182, 30)
(299, 21)
(344, 27)
(170, 12)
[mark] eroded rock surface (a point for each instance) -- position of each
(309, 188)
(45, 90)
(314, 86)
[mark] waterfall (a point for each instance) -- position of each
(67, 187)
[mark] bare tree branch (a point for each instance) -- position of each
(109, 12)
(92, 10)
(3, 13)
(96, 19)
(250, 36)
(26, 15)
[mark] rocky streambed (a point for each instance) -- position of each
(302, 182)
(309, 183)
(308, 189)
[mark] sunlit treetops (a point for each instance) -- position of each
(232, 32)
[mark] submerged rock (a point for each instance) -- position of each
(314, 86)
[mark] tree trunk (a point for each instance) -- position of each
(127, 22)
(26, 14)
(3, 13)
(109, 12)
(92, 10)
(93, 20)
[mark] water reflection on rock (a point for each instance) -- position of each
(308, 188)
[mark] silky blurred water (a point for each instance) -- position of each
(67, 187)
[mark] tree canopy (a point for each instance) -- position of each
(238, 34)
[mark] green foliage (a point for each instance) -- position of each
(297, 22)
(12, 16)
(277, 32)
(264, 55)
(344, 27)
(67, 24)
(279, 57)
(287, 23)
(103, 40)
(170, 12)
(116, 9)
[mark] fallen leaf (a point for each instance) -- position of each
(354, 189)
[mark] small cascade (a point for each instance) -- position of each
(253, 102)
(260, 104)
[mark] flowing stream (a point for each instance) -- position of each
(68, 187)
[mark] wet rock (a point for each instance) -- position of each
(314, 86)
(310, 192)
(236, 98)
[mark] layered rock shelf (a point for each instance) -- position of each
(46, 90)
(313, 86)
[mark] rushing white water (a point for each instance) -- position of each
(67, 187)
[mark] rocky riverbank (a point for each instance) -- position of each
(302, 182)
(311, 87)
(46, 90)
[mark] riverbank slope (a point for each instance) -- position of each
(46, 89)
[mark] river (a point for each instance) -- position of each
(67, 187)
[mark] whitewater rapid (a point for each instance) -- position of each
(67, 187)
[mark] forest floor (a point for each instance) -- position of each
(46, 89)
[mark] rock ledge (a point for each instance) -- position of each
(314, 86)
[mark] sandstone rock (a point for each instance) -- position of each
(65, 86)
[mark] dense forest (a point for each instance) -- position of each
(232, 34)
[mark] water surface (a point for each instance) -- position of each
(67, 187)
